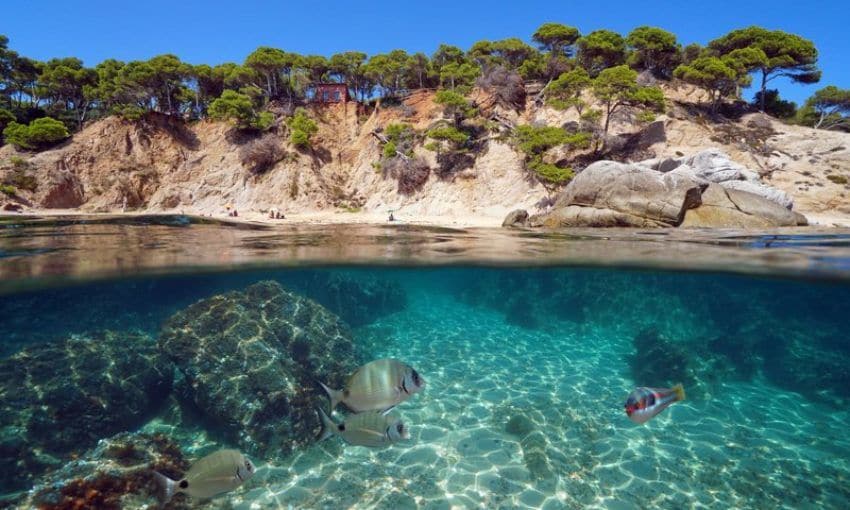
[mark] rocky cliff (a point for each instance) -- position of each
(161, 164)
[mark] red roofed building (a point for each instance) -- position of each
(330, 93)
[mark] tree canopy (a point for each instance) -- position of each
(67, 90)
(786, 55)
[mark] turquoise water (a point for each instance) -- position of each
(527, 370)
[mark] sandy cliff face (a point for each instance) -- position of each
(162, 165)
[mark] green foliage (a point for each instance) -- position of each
(549, 173)
(828, 108)
(19, 163)
(449, 134)
(786, 55)
(390, 149)
(534, 141)
(8, 190)
(654, 49)
(617, 87)
(565, 92)
(459, 75)
(239, 108)
(646, 117)
(556, 38)
(774, 105)
(455, 105)
(600, 50)
(5, 118)
(302, 128)
(39, 134)
(718, 76)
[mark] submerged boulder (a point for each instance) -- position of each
(61, 397)
(611, 194)
(250, 360)
(117, 473)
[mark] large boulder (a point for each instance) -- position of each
(250, 360)
(730, 208)
(767, 192)
(715, 165)
(608, 194)
(57, 398)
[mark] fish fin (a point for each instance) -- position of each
(680, 392)
(387, 410)
(336, 396)
(328, 426)
(166, 487)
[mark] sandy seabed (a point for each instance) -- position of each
(523, 418)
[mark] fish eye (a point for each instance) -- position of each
(248, 466)
(415, 377)
(400, 428)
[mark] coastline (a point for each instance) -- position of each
(342, 217)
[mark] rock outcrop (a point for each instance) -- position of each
(704, 190)
(731, 208)
(61, 397)
(250, 360)
(611, 194)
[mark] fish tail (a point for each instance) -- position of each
(679, 390)
(328, 426)
(336, 396)
(166, 487)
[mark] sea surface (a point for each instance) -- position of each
(145, 343)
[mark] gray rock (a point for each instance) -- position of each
(764, 191)
(715, 165)
(730, 208)
(516, 218)
(608, 193)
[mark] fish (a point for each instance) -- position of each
(377, 386)
(218, 472)
(644, 403)
(371, 428)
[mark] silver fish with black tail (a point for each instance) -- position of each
(377, 386)
(644, 403)
(372, 429)
(222, 471)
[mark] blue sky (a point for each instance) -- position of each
(213, 32)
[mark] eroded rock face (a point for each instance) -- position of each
(250, 360)
(730, 208)
(611, 194)
(61, 397)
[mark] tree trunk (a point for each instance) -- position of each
(763, 88)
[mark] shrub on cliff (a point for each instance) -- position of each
(302, 128)
(39, 134)
(534, 141)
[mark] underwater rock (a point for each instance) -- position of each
(116, 474)
(534, 445)
(798, 363)
(357, 298)
(661, 362)
(250, 360)
(62, 397)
